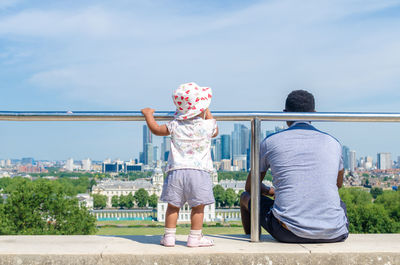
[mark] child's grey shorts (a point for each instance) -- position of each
(188, 185)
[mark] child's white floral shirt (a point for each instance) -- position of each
(191, 144)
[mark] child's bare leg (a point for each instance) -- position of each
(171, 216)
(196, 238)
(196, 217)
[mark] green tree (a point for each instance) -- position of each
(141, 197)
(6, 227)
(391, 202)
(122, 202)
(355, 196)
(99, 201)
(370, 218)
(219, 195)
(375, 192)
(230, 197)
(129, 201)
(4, 182)
(115, 201)
(153, 200)
(42, 207)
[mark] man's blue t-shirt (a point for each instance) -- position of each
(304, 164)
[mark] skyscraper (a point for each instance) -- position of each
(148, 154)
(147, 136)
(353, 160)
(155, 153)
(225, 146)
(69, 165)
(346, 157)
(216, 149)
(165, 147)
(244, 139)
(368, 163)
(87, 164)
(235, 137)
(240, 139)
(147, 146)
(384, 161)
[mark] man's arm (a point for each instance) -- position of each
(159, 130)
(265, 190)
(339, 182)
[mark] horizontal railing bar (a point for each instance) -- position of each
(219, 115)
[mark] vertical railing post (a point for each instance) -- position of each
(255, 180)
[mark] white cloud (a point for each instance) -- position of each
(109, 56)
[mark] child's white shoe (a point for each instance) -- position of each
(199, 241)
(168, 240)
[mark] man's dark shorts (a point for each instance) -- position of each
(279, 231)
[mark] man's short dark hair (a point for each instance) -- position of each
(300, 101)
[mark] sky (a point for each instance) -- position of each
(127, 55)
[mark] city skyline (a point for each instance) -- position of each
(233, 146)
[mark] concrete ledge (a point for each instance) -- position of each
(229, 249)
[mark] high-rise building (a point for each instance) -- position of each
(225, 146)
(384, 161)
(148, 154)
(147, 146)
(87, 164)
(245, 139)
(235, 137)
(240, 139)
(155, 153)
(346, 157)
(368, 162)
(165, 148)
(147, 136)
(69, 165)
(216, 149)
(353, 160)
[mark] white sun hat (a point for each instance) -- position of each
(191, 100)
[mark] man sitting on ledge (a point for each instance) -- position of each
(307, 169)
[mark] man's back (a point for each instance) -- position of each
(305, 163)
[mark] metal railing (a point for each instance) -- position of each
(255, 117)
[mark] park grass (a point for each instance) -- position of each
(139, 231)
(128, 223)
(133, 227)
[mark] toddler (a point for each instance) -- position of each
(189, 162)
